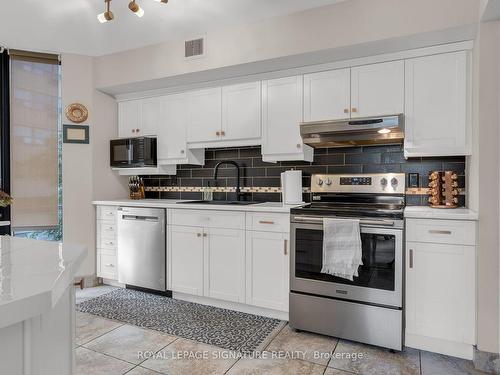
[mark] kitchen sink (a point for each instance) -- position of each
(217, 203)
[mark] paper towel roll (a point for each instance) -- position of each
(291, 185)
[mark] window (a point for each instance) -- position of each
(36, 147)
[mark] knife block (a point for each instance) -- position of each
(443, 189)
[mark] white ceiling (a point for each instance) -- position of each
(71, 26)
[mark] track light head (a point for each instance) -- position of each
(107, 15)
(134, 7)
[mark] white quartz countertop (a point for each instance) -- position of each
(172, 203)
(34, 275)
(417, 212)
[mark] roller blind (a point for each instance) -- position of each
(35, 117)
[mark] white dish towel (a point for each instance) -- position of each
(342, 249)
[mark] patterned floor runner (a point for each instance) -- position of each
(224, 328)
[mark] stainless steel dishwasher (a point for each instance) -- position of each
(141, 248)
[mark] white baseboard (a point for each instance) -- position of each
(282, 315)
(431, 344)
(113, 283)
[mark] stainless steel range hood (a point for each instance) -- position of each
(354, 132)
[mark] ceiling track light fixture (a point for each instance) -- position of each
(107, 15)
(134, 7)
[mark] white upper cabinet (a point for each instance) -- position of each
(377, 89)
(150, 116)
(281, 117)
(138, 117)
(172, 137)
(327, 95)
(204, 115)
(437, 105)
(129, 113)
(241, 113)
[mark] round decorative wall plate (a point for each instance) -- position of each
(77, 112)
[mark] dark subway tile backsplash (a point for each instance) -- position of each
(257, 173)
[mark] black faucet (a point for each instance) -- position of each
(238, 190)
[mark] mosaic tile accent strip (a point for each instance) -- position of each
(224, 328)
(227, 189)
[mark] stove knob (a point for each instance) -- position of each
(320, 182)
(328, 182)
(383, 182)
(394, 182)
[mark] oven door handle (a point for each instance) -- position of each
(316, 220)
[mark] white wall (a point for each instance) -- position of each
(485, 181)
(86, 172)
(78, 223)
(345, 24)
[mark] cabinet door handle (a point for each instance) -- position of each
(110, 265)
(182, 151)
(223, 133)
(435, 231)
(411, 258)
(133, 130)
(354, 110)
(217, 133)
(198, 234)
(346, 110)
(205, 235)
(299, 145)
(266, 222)
(137, 130)
(285, 247)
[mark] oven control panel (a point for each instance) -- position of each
(381, 183)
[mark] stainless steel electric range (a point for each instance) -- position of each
(368, 309)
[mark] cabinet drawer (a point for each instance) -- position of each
(106, 229)
(107, 243)
(266, 222)
(207, 218)
(108, 266)
(441, 231)
(107, 213)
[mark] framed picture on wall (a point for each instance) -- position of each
(76, 134)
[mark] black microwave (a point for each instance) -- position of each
(133, 152)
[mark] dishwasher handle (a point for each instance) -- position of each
(140, 218)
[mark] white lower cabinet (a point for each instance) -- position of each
(267, 270)
(440, 288)
(208, 262)
(186, 248)
(225, 264)
(217, 255)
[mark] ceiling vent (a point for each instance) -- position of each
(194, 48)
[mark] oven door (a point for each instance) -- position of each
(380, 277)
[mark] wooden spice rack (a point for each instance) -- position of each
(443, 189)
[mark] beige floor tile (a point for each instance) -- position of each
(309, 346)
(190, 357)
(130, 343)
(88, 362)
(437, 364)
(333, 371)
(275, 366)
(142, 371)
(370, 360)
(89, 327)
